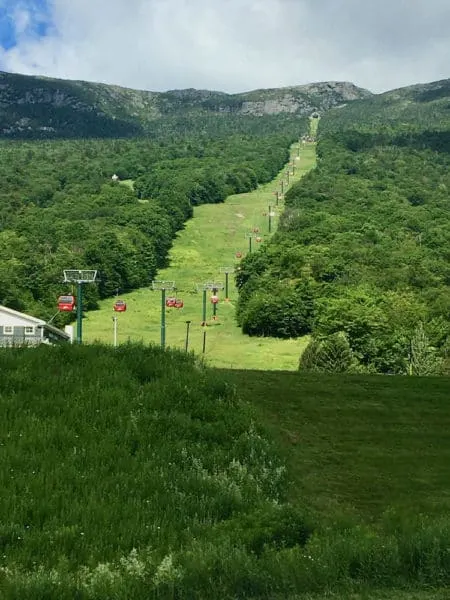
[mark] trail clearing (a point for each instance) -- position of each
(209, 242)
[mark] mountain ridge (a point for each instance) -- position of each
(41, 107)
(37, 106)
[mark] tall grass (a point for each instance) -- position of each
(104, 451)
(355, 559)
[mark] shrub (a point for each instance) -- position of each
(332, 354)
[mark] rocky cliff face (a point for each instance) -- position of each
(302, 99)
(42, 107)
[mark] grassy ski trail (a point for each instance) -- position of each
(209, 241)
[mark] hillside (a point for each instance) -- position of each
(418, 106)
(38, 107)
(136, 473)
(360, 260)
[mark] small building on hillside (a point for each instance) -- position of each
(19, 329)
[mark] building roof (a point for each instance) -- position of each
(55, 330)
(38, 322)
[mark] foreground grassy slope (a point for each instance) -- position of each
(116, 450)
(356, 444)
(134, 473)
(208, 242)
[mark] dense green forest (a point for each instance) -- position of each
(361, 259)
(60, 208)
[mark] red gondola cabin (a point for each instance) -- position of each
(238, 254)
(66, 303)
(214, 299)
(179, 303)
(170, 302)
(120, 306)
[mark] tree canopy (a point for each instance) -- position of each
(60, 207)
(367, 234)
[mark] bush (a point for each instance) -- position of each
(332, 354)
(284, 312)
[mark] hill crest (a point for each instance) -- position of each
(33, 106)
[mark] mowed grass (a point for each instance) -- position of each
(314, 126)
(128, 183)
(358, 445)
(209, 241)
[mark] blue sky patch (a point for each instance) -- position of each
(7, 30)
(39, 20)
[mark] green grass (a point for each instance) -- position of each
(137, 473)
(128, 183)
(209, 241)
(358, 445)
(119, 448)
(314, 126)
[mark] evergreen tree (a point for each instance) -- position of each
(331, 355)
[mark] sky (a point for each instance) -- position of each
(228, 45)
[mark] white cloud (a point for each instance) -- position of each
(22, 19)
(237, 45)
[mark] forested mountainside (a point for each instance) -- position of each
(420, 107)
(38, 107)
(361, 260)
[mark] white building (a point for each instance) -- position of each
(19, 329)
